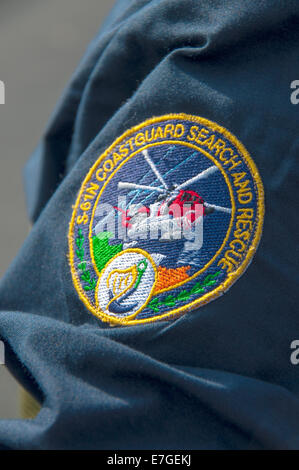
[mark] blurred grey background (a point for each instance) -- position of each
(41, 43)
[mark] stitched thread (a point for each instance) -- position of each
(170, 277)
(171, 301)
(189, 145)
(85, 273)
(102, 250)
(231, 276)
(99, 293)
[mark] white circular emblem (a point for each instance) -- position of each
(126, 284)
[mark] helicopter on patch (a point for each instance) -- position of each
(174, 209)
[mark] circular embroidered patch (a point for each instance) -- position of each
(166, 220)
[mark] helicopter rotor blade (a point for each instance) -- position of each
(124, 185)
(218, 208)
(154, 168)
(198, 177)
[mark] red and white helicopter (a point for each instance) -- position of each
(175, 207)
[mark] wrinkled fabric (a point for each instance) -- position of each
(216, 378)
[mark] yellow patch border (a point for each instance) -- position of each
(231, 277)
